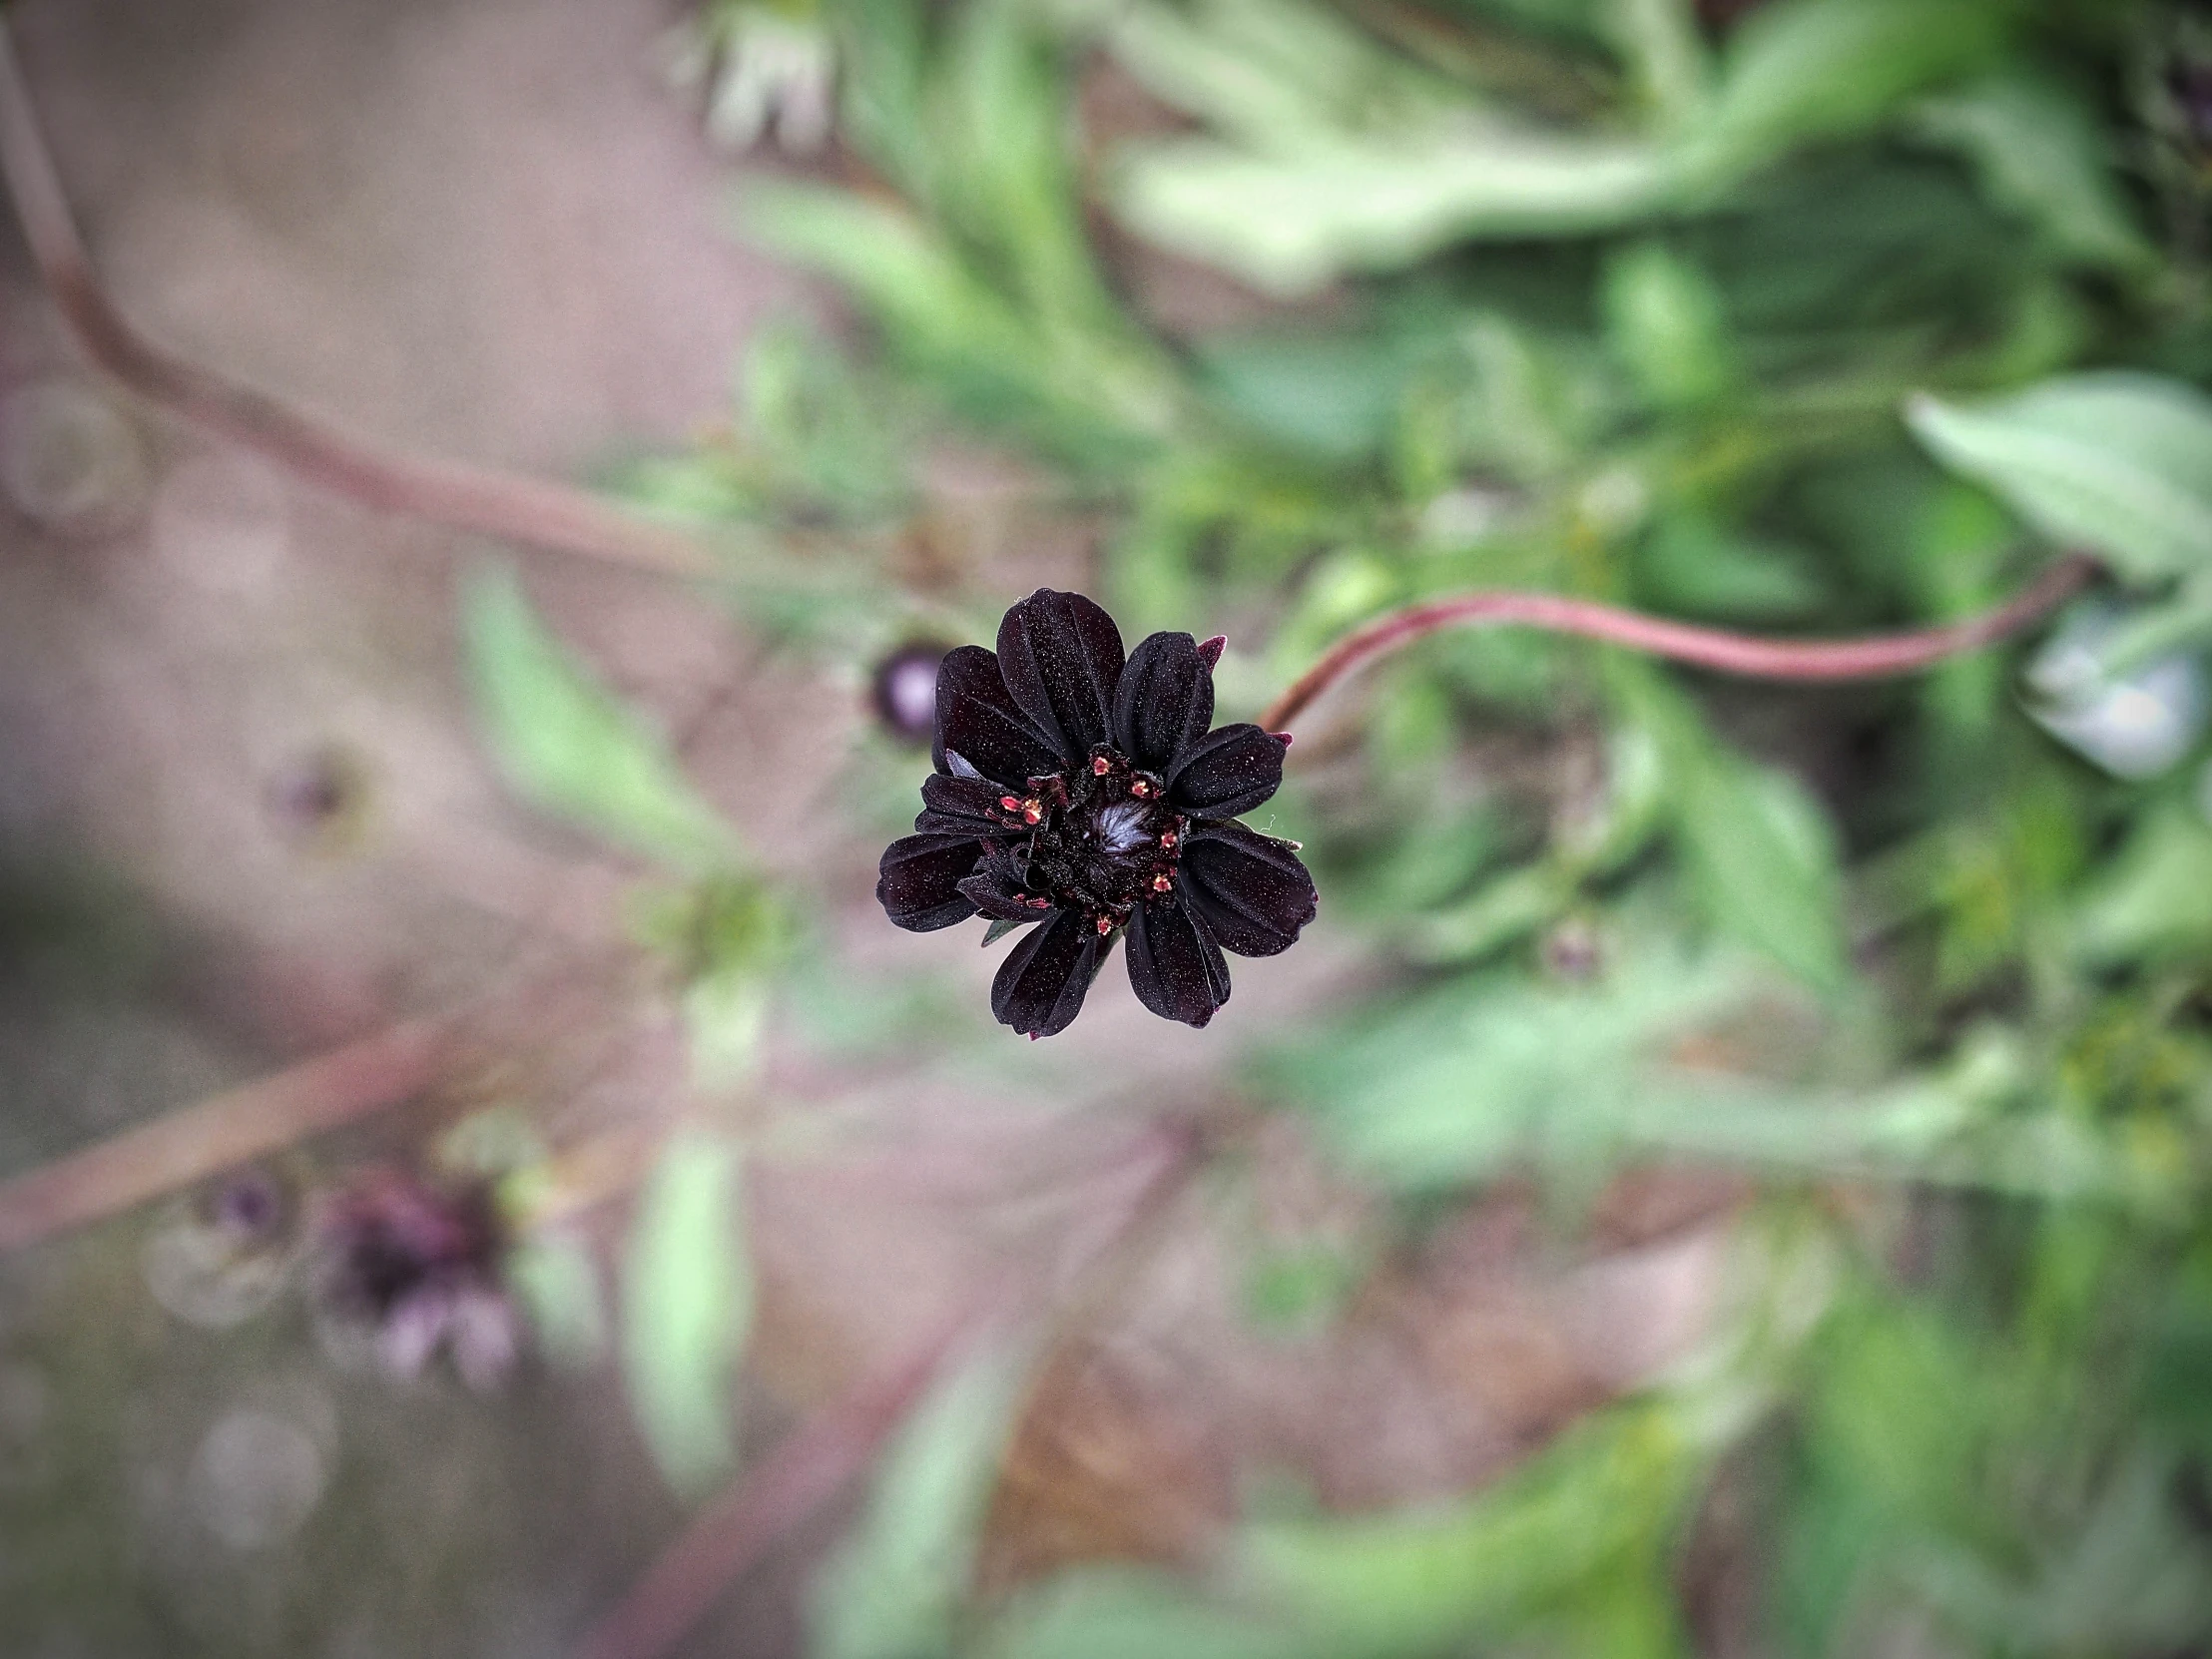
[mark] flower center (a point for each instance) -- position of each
(1106, 840)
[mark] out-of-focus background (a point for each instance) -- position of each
(1725, 1174)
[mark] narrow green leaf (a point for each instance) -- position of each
(688, 1310)
(1799, 70)
(1757, 848)
(1429, 1581)
(2156, 897)
(1762, 856)
(2118, 462)
(1663, 316)
(569, 746)
(892, 1591)
(559, 1285)
(2038, 152)
(727, 936)
(1134, 1613)
(1290, 224)
(1493, 1071)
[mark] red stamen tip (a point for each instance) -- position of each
(1008, 803)
(1100, 765)
(1104, 927)
(1161, 883)
(1167, 838)
(1140, 788)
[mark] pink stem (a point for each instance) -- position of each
(218, 1134)
(830, 1450)
(481, 500)
(1872, 657)
(813, 1464)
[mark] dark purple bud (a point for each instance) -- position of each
(905, 692)
(247, 1206)
(317, 798)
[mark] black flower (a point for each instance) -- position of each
(1086, 792)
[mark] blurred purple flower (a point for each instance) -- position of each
(417, 1268)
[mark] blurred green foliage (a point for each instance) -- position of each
(688, 1309)
(1818, 316)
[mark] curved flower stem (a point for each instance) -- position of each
(1870, 657)
(481, 500)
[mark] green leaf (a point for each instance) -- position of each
(1758, 849)
(686, 1310)
(2157, 897)
(1799, 70)
(1504, 908)
(2038, 152)
(1274, 74)
(2117, 462)
(1130, 1613)
(1288, 224)
(1494, 1070)
(1298, 1291)
(728, 936)
(1335, 395)
(568, 745)
(1762, 856)
(1592, 1508)
(1663, 315)
(1697, 564)
(559, 1285)
(895, 1587)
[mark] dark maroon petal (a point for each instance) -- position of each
(1175, 967)
(1250, 889)
(1060, 656)
(1227, 772)
(995, 888)
(1039, 988)
(959, 807)
(920, 880)
(978, 720)
(1165, 701)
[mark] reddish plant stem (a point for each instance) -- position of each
(824, 1455)
(1872, 657)
(218, 1134)
(479, 500)
(814, 1462)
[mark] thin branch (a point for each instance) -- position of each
(218, 1134)
(814, 1462)
(479, 500)
(821, 1457)
(1873, 657)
